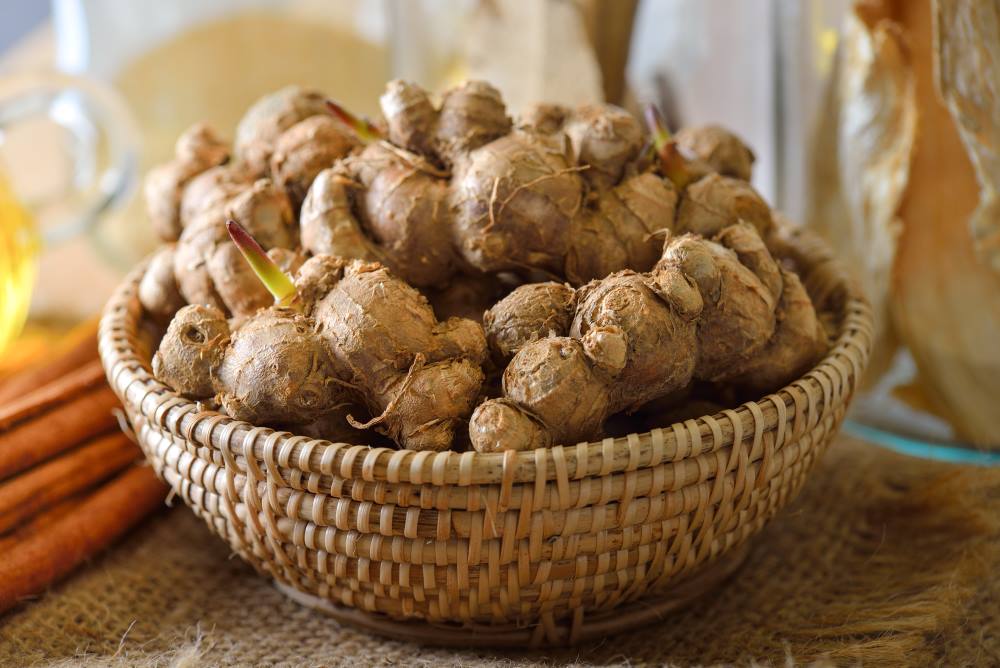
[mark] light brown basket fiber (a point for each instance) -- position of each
(549, 547)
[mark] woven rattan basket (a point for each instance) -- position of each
(549, 547)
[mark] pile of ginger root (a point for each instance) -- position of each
(447, 277)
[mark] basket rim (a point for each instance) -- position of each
(835, 377)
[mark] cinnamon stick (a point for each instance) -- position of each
(36, 523)
(50, 394)
(47, 484)
(29, 567)
(34, 377)
(58, 430)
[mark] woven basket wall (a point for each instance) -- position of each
(553, 546)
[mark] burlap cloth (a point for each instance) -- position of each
(882, 560)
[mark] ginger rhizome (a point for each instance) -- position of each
(345, 334)
(565, 193)
(644, 264)
(282, 142)
(441, 191)
(457, 188)
(719, 310)
(419, 377)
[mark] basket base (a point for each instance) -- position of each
(599, 625)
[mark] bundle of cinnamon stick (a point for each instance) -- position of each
(70, 481)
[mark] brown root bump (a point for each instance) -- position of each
(158, 291)
(500, 424)
(624, 229)
(555, 380)
(543, 118)
(328, 223)
(715, 202)
(715, 310)
(471, 115)
(377, 328)
(237, 285)
(567, 195)
(605, 138)
(306, 149)
(403, 209)
(721, 149)
(207, 269)
(530, 312)
(277, 370)
(197, 150)
(514, 202)
(738, 315)
(191, 351)
(798, 343)
(261, 126)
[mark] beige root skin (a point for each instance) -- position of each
(458, 190)
(544, 118)
(419, 376)
(306, 149)
(624, 229)
(798, 343)
(327, 221)
(276, 369)
(203, 212)
(158, 291)
(195, 249)
(264, 210)
(633, 338)
(605, 138)
(206, 268)
(519, 200)
(722, 150)
(515, 200)
(555, 380)
(508, 428)
(471, 115)
(738, 315)
(382, 205)
(528, 313)
(191, 351)
(197, 150)
(657, 314)
(715, 202)
(207, 195)
(715, 310)
(403, 208)
(754, 254)
(272, 368)
(431, 403)
(237, 285)
(264, 122)
(410, 116)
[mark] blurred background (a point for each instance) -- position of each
(827, 92)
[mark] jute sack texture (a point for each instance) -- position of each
(881, 561)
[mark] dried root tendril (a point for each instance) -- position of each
(418, 363)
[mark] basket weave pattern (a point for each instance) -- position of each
(534, 547)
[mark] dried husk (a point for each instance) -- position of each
(946, 289)
(862, 151)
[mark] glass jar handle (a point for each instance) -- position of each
(102, 146)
